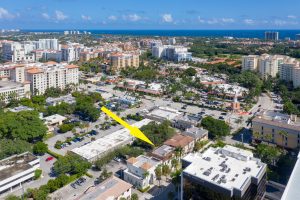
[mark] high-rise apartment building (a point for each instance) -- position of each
(48, 44)
(71, 52)
(250, 62)
(272, 35)
(290, 72)
(50, 75)
(170, 52)
(17, 52)
(268, 66)
(122, 60)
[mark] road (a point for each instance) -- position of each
(264, 103)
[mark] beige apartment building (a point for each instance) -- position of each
(276, 128)
(39, 76)
(250, 62)
(52, 75)
(121, 60)
(290, 72)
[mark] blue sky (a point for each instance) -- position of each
(150, 14)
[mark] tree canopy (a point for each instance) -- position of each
(71, 164)
(25, 125)
(215, 127)
(10, 147)
(157, 133)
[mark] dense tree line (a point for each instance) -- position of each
(216, 128)
(141, 73)
(25, 125)
(10, 147)
(71, 164)
(157, 133)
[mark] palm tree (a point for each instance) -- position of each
(176, 180)
(146, 174)
(178, 152)
(158, 174)
(165, 171)
(174, 163)
(284, 135)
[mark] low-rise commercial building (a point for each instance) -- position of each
(198, 134)
(111, 189)
(141, 86)
(140, 171)
(69, 99)
(186, 121)
(16, 170)
(223, 173)
(161, 114)
(20, 109)
(98, 148)
(277, 128)
(185, 143)
(165, 153)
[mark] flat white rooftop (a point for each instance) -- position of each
(99, 147)
(227, 167)
(165, 113)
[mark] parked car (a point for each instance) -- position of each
(49, 158)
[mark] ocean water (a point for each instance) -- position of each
(189, 33)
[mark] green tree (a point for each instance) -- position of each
(190, 71)
(71, 164)
(13, 197)
(10, 147)
(134, 196)
(37, 173)
(290, 108)
(158, 173)
(40, 148)
(174, 163)
(25, 125)
(157, 133)
(216, 128)
(176, 180)
(165, 170)
(268, 154)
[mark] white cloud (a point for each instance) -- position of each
(291, 16)
(85, 17)
(249, 21)
(112, 18)
(59, 15)
(45, 16)
(132, 17)
(279, 22)
(212, 21)
(227, 20)
(202, 21)
(4, 14)
(167, 18)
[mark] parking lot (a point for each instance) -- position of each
(77, 188)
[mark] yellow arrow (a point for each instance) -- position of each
(135, 131)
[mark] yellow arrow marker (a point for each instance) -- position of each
(135, 131)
